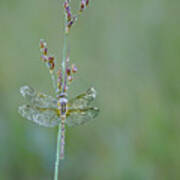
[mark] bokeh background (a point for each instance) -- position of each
(128, 50)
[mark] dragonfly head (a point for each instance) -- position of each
(62, 95)
(63, 98)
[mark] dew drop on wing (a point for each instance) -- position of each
(81, 116)
(43, 117)
(83, 100)
(37, 98)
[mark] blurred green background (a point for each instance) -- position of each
(128, 50)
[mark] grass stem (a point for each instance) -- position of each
(56, 172)
(59, 134)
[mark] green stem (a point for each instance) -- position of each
(56, 172)
(57, 162)
(53, 77)
(59, 127)
(64, 59)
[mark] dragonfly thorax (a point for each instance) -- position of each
(62, 104)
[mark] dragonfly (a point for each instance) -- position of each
(48, 111)
(43, 109)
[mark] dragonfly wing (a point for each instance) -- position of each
(81, 116)
(83, 100)
(38, 99)
(43, 116)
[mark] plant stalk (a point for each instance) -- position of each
(56, 172)
(59, 134)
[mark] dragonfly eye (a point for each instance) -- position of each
(63, 95)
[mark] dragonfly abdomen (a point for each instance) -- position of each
(62, 106)
(62, 137)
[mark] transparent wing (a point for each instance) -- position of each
(81, 116)
(83, 100)
(38, 99)
(43, 116)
